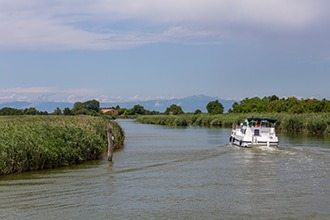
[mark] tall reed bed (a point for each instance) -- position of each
(221, 120)
(310, 123)
(40, 142)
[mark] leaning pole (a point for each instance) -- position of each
(110, 143)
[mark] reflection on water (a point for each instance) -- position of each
(305, 140)
(180, 173)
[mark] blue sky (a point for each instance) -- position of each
(120, 50)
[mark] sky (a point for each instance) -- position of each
(121, 50)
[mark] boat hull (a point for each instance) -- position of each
(243, 143)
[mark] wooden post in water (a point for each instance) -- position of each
(110, 143)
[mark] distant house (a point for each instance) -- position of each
(110, 111)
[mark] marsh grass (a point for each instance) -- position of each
(40, 142)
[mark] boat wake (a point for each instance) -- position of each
(267, 148)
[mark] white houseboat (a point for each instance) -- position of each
(255, 132)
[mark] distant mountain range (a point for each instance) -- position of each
(188, 104)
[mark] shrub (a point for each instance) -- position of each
(292, 123)
(180, 122)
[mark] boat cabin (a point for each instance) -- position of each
(260, 122)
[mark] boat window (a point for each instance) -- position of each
(256, 132)
(252, 123)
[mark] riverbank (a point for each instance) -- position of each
(309, 123)
(43, 142)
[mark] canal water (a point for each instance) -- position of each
(180, 173)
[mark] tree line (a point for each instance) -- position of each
(270, 104)
(274, 104)
(92, 107)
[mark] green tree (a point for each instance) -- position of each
(174, 109)
(273, 98)
(198, 111)
(214, 107)
(276, 106)
(92, 105)
(77, 107)
(67, 111)
(31, 111)
(254, 104)
(57, 111)
(234, 108)
(138, 109)
(294, 105)
(10, 111)
(126, 112)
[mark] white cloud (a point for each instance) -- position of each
(148, 98)
(27, 90)
(45, 94)
(7, 97)
(108, 24)
(139, 98)
(51, 94)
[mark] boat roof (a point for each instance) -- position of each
(271, 120)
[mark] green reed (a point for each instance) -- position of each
(309, 123)
(40, 142)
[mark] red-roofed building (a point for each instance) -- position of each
(109, 111)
